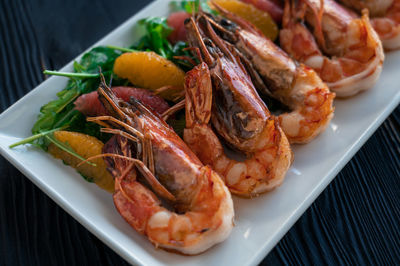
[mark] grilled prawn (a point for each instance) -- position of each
(176, 201)
(385, 18)
(220, 90)
(276, 75)
(344, 49)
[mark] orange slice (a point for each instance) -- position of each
(86, 146)
(262, 20)
(149, 70)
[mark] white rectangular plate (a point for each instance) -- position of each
(260, 222)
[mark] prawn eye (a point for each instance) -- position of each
(207, 42)
(229, 25)
(212, 49)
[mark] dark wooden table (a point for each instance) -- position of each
(355, 220)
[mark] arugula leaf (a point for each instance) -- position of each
(155, 39)
(34, 137)
(51, 112)
(60, 112)
(72, 75)
(98, 57)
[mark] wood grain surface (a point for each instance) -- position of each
(354, 221)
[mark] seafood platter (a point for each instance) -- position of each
(206, 128)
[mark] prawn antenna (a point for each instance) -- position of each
(111, 78)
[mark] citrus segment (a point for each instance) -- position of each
(86, 146)
(262, 20)
(149, 70)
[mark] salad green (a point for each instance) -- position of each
(60, 114)
(156, 40)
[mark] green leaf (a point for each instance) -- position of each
(122, 49)
(72, 75)
(60, 112)
(155, 39)
(31, 139)
(99, 57)
(78, 67)
(53, 111)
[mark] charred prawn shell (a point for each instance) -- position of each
(234, 119)
(272, 72)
